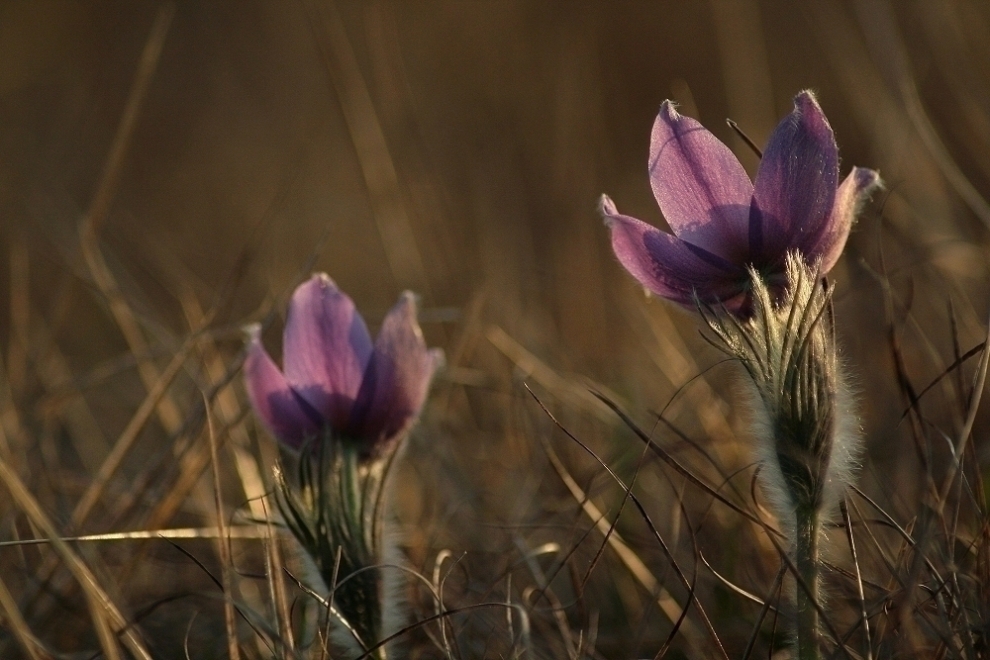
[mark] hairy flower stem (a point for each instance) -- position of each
(808, 533)
(335, 511)
(806, 436)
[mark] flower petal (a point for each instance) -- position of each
(796, 182)
(396, 380)
(326, 347)
(282, 410)
(703, 191)
(850, 197)
(666, 265)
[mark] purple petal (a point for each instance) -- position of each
(702, 189)
(851, 196)
(668, 266)
(281, 409)
(796, 181)
(397, 378)
(326, 347)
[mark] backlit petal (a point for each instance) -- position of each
(326, 347)
(396, 380)
(796, 181)
(703, 191)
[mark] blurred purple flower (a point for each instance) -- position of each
(723, 223)
(335, 380)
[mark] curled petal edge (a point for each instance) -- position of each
(855, 191)
(666, 265)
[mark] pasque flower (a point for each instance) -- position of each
(345, 402)
(723, 224)
(335, 379)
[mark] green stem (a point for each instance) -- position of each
(351, 526)
(333, 511)
(808, 529)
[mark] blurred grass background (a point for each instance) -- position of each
(170, 172)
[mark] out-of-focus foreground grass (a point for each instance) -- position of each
(169, 172)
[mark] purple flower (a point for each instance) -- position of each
(335, 380)
(723, 223)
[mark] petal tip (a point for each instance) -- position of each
(667, 122)
(867, 180)
(406, 311)
(806, 98)
(606, 208)
(317, 286)
(807, 108)
(438, 359)
(252, 332)
(408, 305)
(324, 281)
(668, 110)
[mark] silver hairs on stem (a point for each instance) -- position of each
(806, 435)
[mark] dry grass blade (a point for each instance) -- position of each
(90, 225)
(544, 589)
(532, 366)
(668, 605)
(223, 543)
(106, 617)
(14, 621)
(100, 206)
(274, 567)
(261, 629)
(753, 598)
(129, 436)
(626, 555)
(325, 641)
(674, 463)
(229, 409)
(68, 403)
(879, 23)
(438, 588)
(524, 633)
(377, 166)
(778, 581)
(194, 455)
(864, 617)
(12, 441)
(967, 427)
(231, 532)
(953, 367)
